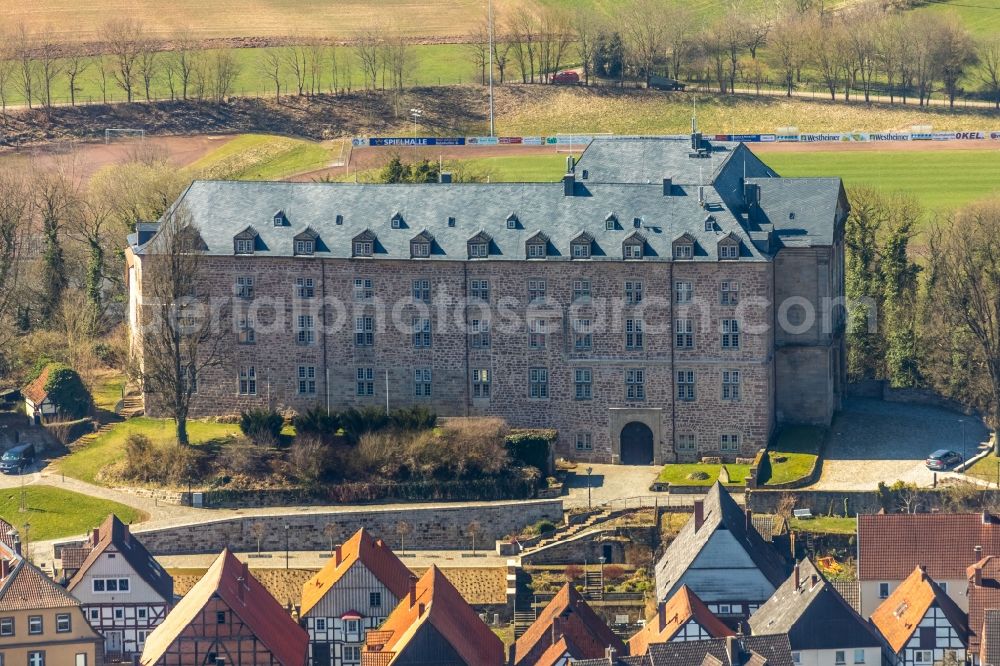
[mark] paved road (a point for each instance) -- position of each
(873, 441)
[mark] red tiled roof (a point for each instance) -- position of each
(269, 622)
(989, 651)
(900, 614)
(437, 602)
(982, 597)
(27, 588)
(671, 616)
(566, 615)
(113, 533)
(35, 391)
(891, 545)
(373, 553)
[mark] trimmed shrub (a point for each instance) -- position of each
(413, 418)
(531, 447)
(67, 392)
(262, 426)
(317, 423)
(358, 422)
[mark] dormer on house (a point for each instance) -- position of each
(683, 247)
(479, 245)
(536, 247)
(420, 245)
(363, 245)
(280, 219)
(633, 247)
(611, 222)
(513, 222)
(245, 242)
(582, 246)
(397, 222)
(305, 242)
(729, 247)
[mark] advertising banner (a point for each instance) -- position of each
(813, 138)
(419, 141)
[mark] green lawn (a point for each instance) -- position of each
(85, 463)
(262, 157)
(986, 469)
(799, 445)
(107, 392)
(825, 524)
(54, 512)
(678, 474)
(981, 17)
(940, 179)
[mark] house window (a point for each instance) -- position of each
(321, 624)
(581, 250)
(6, 626)
(481, 383)
(729, 442)
(730, 334)
(538, 383)
(683, 292)
(796, 657)
(363, 248)
(583, 442)
(683, 251)
(684, 333)
(305, 288)
(633, 334)
(304, 247)
(422, 291)
(536, 291)
(244, 246)
(725, 609)
(63, 623)
(305, 330)
(420, 250)
(687, 442)
(396, 222)
(633, 251)
(512, 222)
(244, 286)
(583, 379)
(729, 292)
(248, 386)
(610, 223)
(536, 251)
(883, 590)
(840, 657)
(421, 332)
(422, 382)
(635, 384)
(729, 251)
(479, 290)
(633, 292)
(352, 654)
(34, 624)
(364, 331)
(95, 614)
(536, 333)
(36, 658)
(685, 385)
(480, 330)
(142, 613)
(279, 219)
(923, 656)
(581, 291)
(944, 586)
(375, 599)
(731, 385)
(478, 250)
(245, 334)
(582, 335)
(364, 289)
(110, 584)
(119, 613)
(220, 617)
(859, 655)
(307, 380)
(366, 381)
(351, 626)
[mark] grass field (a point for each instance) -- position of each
(982, 17)
(940, 179)
(799, 446)
(986, 469)
(825, 525)
(85, 463)
(264, 157)
(54, 512)
(678, 474)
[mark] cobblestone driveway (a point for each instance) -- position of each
(872, 441)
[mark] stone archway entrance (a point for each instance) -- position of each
(636, 444)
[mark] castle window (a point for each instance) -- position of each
(583, 441)
(245, 334)
(581, 250)
(536, 291)
(583, 379)
(365, 382)
(512, 222)
(633, 334)
(581, 291)
(364, 289)
(279, 219)
(422, 382)
(421, 332)
(422, 291)
(479, 329)
(685, 385)
(478, 250)
(364, 331)
(244, 245)
(610, 222)
(307, 380)
(683, 251)
(536, 333)
(729, 292)
(479, 290)
(305, 333)
(481, 383)
(420, 249)
(583, 337)
(729, 251)
(305, 287)
(731, 385)
(687, 442)
(248, 380)
(684, 334)
(633, 292)
(305, 247)
(730, 334)
(397, 221)
(536, 250)
(729, 442)
(363, 248)
(635, 384)
(683, 292)
(244, 286)
(538, 383)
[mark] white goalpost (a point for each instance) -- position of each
(118, 133)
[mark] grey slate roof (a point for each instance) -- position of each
(617, 660)
(815, 617)
(624, 180)
(775, 651)
(720, 512)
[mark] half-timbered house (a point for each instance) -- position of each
(354, 592)
(227, 619)
(683, 617)
(125, 593)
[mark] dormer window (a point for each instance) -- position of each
(710, 223)
(536, 250)
(279, 219)
(244, 246)
(729, 248)
(537, 246)
(397, 221)
(363, 244)
(512, 221)
(420, 245)
(632, 247)
(479, 246)
(305, 247)
(580, 247)
(610, 222)
(684, 247)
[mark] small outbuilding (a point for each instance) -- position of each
(37, 403)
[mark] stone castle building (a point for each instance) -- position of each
(669, 299)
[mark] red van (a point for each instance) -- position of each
(566, 77)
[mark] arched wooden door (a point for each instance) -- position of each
(636, 444)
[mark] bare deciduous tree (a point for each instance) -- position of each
(366, 50)
(76, 65)
(954, 52)
(315, 64)
(7, 69)
(522, 31)
(294, 57)
(586, 30)
(50, 66)
(269, 66)
(989, 53)
(183, 59)
(555, 38)
(148, 63)
(15, 206)
(788, 49)
(123, 39)
(225, 69)
(680, 38)
(479, 49)
(24, 45)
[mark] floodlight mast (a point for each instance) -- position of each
(490, 20)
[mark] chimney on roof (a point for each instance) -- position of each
(413, 590)
(420, 609)
(661, 615)
(611, 654)
(977, 575)
(569, 185)
(444, 177)
(17, 544)
(95, 536)
(701, 196)
(795, 575)
(4, 568)
(699, 514)
(732, 649)
(240, 593)
(923, 571)
(668, 186)
(337, 555)
(813, 581)
(556, 630)
(749, 515)
(570, 164)
(978, 550)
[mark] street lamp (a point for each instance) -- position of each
(286, 545)
(602, 560)
(965, 452)
(416, 114)
(590, 470)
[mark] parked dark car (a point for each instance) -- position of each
(943, 459)
(664, 83)
(17, 458)
(567, 77)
